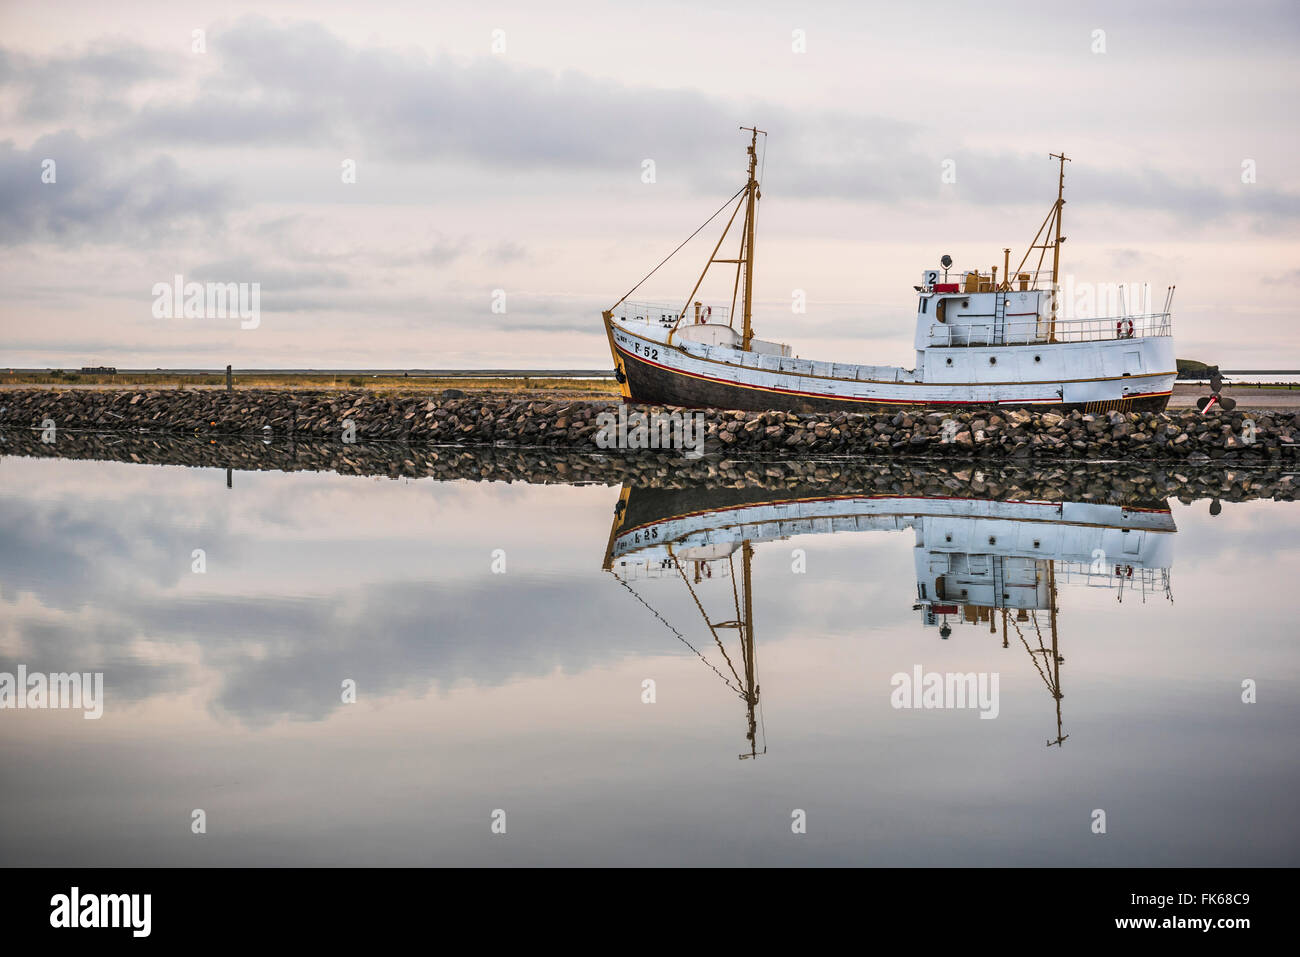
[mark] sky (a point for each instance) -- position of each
(500, 152)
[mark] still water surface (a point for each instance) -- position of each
(500, 637)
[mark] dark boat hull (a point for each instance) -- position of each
(651, 384)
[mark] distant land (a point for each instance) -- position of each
(1194, 369)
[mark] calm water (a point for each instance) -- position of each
(521, 688)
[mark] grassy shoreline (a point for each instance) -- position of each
(1260, 395)
(312, 381)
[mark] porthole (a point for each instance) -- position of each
(1038, 358)
(949, 361)
(993, 360)
(993, 539)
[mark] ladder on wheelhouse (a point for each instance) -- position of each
(999, 582)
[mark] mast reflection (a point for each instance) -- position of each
(979, 561)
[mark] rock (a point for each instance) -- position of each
(484, 419)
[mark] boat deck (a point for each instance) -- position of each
(796, 366)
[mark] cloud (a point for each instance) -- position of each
(279, 87)
(100, 194)
(95, 83)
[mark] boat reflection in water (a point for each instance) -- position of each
(978, 561)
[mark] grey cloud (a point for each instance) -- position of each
(93, 84)
(314, 86)
(100, 195)
(902, 173)
(410, 106)
(289, 86)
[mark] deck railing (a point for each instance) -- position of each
(1146, 582)
(665, 314)
(642, 569)
(973, 280)
(991, 331)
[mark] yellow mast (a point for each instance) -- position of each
(742, 592)
(1050, 669)
(748, 253)
(746, 628)
(1056, 651)
(1056, 246)
(750, 198)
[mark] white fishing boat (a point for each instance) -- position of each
(980, 341)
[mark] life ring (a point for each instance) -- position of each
(1124, 329)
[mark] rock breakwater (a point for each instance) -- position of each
(497, 420)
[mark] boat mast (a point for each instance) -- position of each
(1050, 667)
(743, 595)
(1054, 214)
(746, 629)
(749, 196)
(1056, 246)
(747, 253)
(1055, 666)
